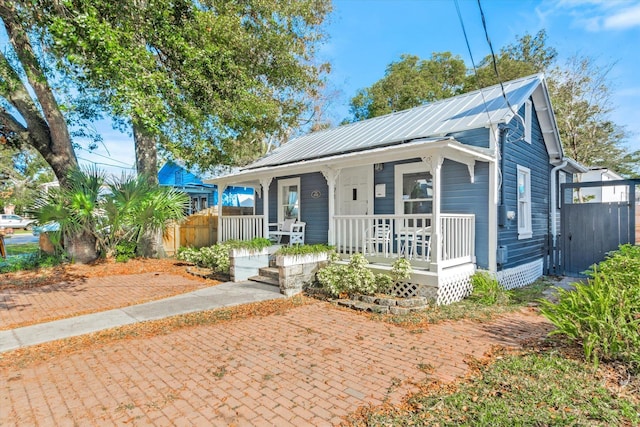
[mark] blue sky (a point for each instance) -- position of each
(366, 35)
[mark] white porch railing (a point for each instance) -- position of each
(458, 239)
(241, 227)
(391, 236)
(386, 236)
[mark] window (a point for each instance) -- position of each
(413, 189)
(524, 203)
(288, 199)
(528, 119)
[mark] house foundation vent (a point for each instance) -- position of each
(521, 275)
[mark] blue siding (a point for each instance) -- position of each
(535, 157)
(476, 137)
(461, 196)
(315, 212)
(386, 205)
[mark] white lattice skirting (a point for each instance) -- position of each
(521, 275)
(454, 284)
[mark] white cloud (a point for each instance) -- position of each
(594, 15)
(626, 18)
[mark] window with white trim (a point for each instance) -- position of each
(413, 188)
(528, 120)
(523, 190)
(288, 199)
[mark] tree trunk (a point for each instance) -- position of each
(150, 243)
(146, 153)
(46, 128)
(82, 247)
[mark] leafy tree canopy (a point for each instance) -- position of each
(410, 82)
(209, 80)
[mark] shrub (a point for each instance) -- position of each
(304, 249)
(356, 278)
(351, 278)
(125, 251)
(603, 315)
(216, 257)
(487, 290)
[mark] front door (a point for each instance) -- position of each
(355, 192)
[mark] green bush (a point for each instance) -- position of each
(487, 290)
(125, 251)
(305, 249)
(356, 278)
(351, 278)
(216, 257)
(603, 314)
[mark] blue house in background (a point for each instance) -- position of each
(202, 195)
(465, 183)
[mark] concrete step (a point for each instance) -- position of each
(271, 272)
(266, 280)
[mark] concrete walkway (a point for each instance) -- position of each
(223, 295)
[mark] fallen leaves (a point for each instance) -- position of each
(26, 356)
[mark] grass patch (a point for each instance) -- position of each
(28, 261)
(537, 389)
(21, 248)
(472, 309)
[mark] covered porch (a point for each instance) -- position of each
(381, 226)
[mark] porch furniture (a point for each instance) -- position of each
(377, 239)
(411, 239)
(291, 228)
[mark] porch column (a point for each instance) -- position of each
(221, 188)
(436, 227)
(265, 183)
(331, 175)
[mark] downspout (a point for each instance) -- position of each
(502, 138)
(554, 202)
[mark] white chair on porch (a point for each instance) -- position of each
(378, 239)
(289, 227)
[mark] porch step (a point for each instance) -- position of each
(266, 280)
(271, 272)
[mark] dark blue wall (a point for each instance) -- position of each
(534, 156)
(313, 211)
(460, 195)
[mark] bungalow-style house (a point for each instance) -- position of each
(202, 195)
(454, 185)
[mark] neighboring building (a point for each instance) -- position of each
(202, 195)
(604, 194)
(454, 185)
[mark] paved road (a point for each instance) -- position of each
(19, 239)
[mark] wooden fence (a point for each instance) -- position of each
(198, 230)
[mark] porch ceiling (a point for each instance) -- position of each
(447, 147)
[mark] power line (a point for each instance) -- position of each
(473, 63)
(495, 69)
(107, 164)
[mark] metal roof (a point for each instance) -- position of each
(463, 112)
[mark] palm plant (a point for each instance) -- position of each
(94, 222)
(76, 207)
(139, 211)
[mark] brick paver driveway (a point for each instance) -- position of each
(21, 307)
(310, 366)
